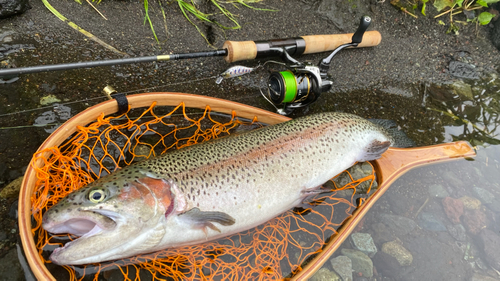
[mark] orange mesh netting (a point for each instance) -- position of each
(275, 250)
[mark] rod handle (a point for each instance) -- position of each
(247, 50)
(324, 43)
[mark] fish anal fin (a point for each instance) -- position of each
(374, 150)
(204, 220)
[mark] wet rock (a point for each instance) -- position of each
(46, 100)
(361, 263)
(341, 13)
(495, 206)
(478, 277)
(491, 247)
(13, 7)
(12, 189)
(463, 70)
(437, 190)
(457, 231)
(483, 195)
(363, 242)
(324, 274)
(453, 180)
(10, 268)
(470, 203)
(381, 233)
(430, 222)
(474, 220)
(397, 224)
(343, 267)
(387, 265)
(453, 208)
(357, 171)
(400, 253)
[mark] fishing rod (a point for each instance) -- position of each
(231, 51)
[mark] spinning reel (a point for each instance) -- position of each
(302, 84)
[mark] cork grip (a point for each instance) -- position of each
(323, 43)
(236, 50)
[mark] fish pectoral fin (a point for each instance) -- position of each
(374, 150)
(203, 220)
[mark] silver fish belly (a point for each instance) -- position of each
(210, 190)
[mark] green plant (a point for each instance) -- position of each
(467, 7)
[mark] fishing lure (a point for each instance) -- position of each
(235, 71)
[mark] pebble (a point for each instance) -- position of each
(491, 247)
(361, 263)
(357, 171)
(470, 203)
(453, 208)
(398, 224)
(343, 267)
(437, 190)
(396, 249)
(12, 189)
(474, 220)
(363, 242)
(457, 231)
(430, 222)
(324, 274)
(483, 195)
(452, 179)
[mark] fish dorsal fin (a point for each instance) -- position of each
(201, 220)
(374, 150)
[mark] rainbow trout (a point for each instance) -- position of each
(210, 190)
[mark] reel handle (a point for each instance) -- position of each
(249, 50)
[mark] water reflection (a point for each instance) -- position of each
(439, 222)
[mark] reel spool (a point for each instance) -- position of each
(302, 84)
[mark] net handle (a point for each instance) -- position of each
(91, 114)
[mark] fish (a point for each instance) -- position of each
(234, 71)
(211, 190)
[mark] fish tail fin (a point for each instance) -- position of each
(399, 138)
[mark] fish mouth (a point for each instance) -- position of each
(85, 224)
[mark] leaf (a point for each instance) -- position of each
(482, 3)
(441, 4)
(459, 2)
(423, 6)
(485, 18)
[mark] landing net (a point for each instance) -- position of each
(275, 250)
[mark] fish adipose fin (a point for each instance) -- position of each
(202, 220)
(400, 139)
(374, 150)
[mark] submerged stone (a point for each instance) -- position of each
(483, 195)
(430, 222)
(400, 253)
(397, 224)
(437, 190)
(453, 208)
(361, 263)
(343, 267)
(324, 274)
(457, 231)
(491, 247)
(470, 203)
(364, 243)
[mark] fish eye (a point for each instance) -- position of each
(97, 195)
